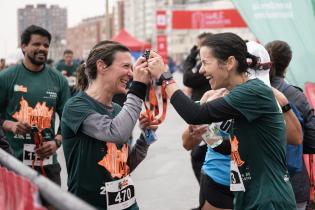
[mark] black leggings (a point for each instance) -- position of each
(217, 195)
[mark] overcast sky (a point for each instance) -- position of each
(77, 10)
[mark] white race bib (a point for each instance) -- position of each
(120, 194)
(236, 182)
(29, 155)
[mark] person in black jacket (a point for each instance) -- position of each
(281, 55)
(198, 85)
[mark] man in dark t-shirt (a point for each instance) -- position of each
(67, 66)
(31, 94)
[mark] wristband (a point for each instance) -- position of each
(139, 89)
(167, 82)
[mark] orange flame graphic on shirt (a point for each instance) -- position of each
(234, 152)
(115, 161)
(40, 115)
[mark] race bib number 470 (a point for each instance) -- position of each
(120, 194)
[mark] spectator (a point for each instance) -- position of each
(31, 93)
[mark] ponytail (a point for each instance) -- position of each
(252, 61)
(255, 64)
(82, 80)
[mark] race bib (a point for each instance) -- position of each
(29, 155)
(120, 194)
(236, 182)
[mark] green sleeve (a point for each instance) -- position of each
(252, 103)
(59, 66)
(64, 96)
(75, 112)
(3, 94)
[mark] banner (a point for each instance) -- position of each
(161, 20)
(206, 19)
(162, 47)
(291, 21)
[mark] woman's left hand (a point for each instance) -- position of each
(156, 65)
(140, 71)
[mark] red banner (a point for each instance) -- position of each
(310, 93)
(161, 21)
(206, 19)
(161, 42)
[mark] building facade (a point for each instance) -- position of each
(82, 37)
(140, 21)
(52, 18)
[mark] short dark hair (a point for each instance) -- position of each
(280, 55)
(33, 29)
(67, 51)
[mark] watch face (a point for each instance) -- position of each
(164, 76)
(167, 75)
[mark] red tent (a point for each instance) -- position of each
(131, 42)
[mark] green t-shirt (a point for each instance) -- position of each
(84, 155)
(32, 97)
(71, 70)
(262, 147)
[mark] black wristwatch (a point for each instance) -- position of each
(165, 76)
(286, 108)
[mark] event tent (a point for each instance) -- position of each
(131, 42)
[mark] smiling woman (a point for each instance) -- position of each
(258, 170)
(97, 131)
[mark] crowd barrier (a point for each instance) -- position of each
(20, 187)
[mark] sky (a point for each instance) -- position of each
(77, 10)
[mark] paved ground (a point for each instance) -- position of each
(164, 180)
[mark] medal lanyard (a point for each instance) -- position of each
(153, 110)
(38, 139)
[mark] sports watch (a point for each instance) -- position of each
(165, 76)
(286, 108)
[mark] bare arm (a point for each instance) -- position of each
(189, 142)
(293, 126)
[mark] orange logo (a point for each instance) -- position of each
(234, 152)
(115, 161)
(40, 115)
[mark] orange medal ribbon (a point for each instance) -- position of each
(152, 112)
(38, 142)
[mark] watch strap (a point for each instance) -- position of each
(286, 108)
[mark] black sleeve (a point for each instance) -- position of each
(298, 98)
(224, 148)
(214, 111)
